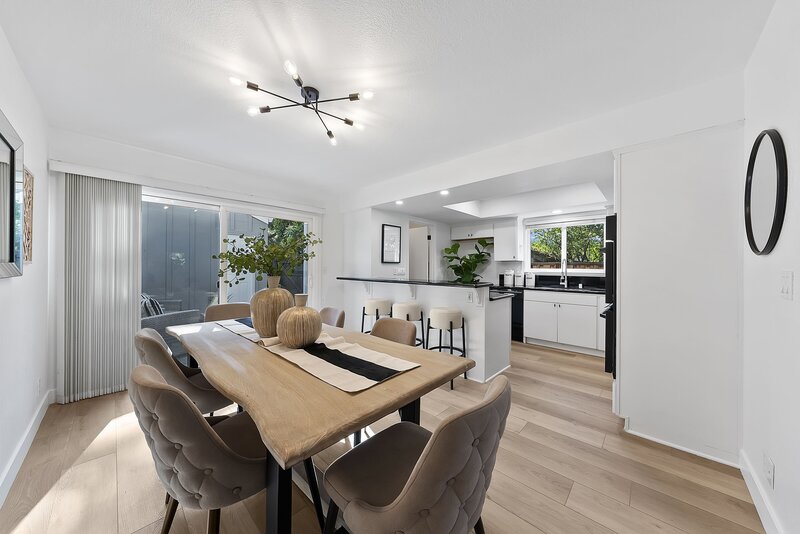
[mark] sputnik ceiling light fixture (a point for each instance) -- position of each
(310, 100)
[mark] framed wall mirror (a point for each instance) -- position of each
(11, 201)
(765, 192)
(390, 243)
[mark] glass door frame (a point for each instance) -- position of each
(226, 206)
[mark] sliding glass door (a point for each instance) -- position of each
(178, 242)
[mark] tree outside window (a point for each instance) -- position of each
(546, 248)
(579, 244)
(583, 246)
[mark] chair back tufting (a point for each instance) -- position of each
(195, 465)
(447, 488)
(154, 351)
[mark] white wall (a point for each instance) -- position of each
(716, 102)
(114, 160)
(771, 335)
(679, 257)
(26, 368)
(440, 238)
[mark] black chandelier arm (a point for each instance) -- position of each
(333, 100)
(320, 119)
(310, 107)
(296, 103)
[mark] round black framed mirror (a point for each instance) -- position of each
(765, 192)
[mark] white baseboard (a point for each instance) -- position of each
(681, 448)
(15, 462)
(769, 518)
(489, 379)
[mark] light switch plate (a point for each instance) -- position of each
(787, 285)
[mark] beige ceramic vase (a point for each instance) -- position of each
(299, 326)
(267, 305)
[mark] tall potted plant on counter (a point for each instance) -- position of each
(465, 267)
(262, 255)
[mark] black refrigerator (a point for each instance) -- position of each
(612, 308)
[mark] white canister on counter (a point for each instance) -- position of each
(518, 280)
(530, 279)
(508, 278)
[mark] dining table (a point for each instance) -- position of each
(297, 414)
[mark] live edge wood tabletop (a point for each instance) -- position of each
(297, 414)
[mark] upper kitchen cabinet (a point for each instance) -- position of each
(507, 241)
(480, 230)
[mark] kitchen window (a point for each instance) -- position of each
(578, 244)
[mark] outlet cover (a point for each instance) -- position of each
(787, 285)
(769, 471)
(469, 296)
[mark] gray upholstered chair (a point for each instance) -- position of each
(204, 462)
(154, 351)
(397, 330)
(231, 310)
(201, 466)
(406, 479)
(332, 317)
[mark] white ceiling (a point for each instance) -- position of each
(450, 77)
(585, 184)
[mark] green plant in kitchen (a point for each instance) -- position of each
(465, 267)
(264, 254)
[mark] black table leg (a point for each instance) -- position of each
(279, 498)
(410, 412)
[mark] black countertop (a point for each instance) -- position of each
(587, 290)
(445, 283)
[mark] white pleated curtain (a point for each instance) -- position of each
(103, 284)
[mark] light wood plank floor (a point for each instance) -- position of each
(565, 466)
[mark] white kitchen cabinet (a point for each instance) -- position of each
(507, 242)
(564, 318)
(540, 320)
(472, 231)
(577, 325)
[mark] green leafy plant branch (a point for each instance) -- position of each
(264, 254)
(465, 267)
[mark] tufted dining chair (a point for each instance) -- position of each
(201, 466)
(405, 479)
(332, 317)
(230, 310)
(154, 351)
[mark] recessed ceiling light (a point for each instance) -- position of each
(558, 212)
(398, 202)
(444, 192)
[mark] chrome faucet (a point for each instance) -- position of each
(563, 281)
